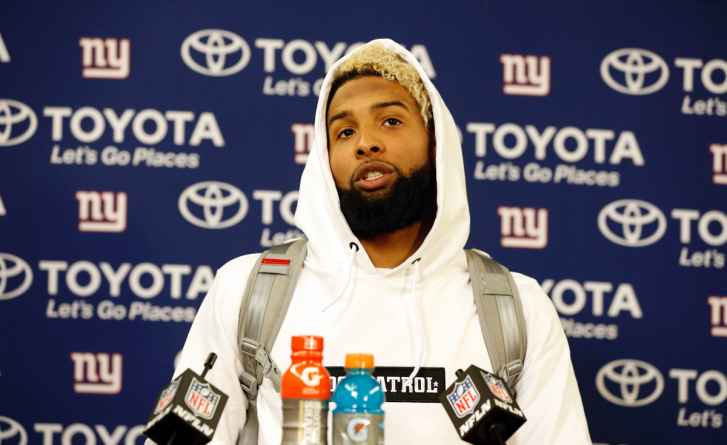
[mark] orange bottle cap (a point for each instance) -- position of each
(306, 343)
(365, 361)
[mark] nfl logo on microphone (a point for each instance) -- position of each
(188, 409)
(166, 397)
(464, 397)
(201, 399)
(476, 401)
(497, 388)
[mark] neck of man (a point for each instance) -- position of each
(389, 250)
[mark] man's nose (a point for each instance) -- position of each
(368, 145)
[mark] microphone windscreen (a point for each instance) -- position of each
(187, 411)
(479, 401)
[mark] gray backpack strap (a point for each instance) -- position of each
(501, 315)
(265, 302)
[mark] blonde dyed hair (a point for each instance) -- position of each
(379, 60)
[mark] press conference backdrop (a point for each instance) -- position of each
(142, 146)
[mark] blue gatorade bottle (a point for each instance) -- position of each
(358, 417)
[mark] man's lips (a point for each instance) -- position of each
(374, 175)
(371, 185)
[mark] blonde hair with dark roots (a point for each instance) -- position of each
(377, 60)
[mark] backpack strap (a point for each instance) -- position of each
(265, 302)
(501, 315)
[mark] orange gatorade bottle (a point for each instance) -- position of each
(305, 389)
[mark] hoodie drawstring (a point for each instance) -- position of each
(353, 250)
(412, 306)
(415, 318)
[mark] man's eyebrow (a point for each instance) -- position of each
(392, 103)
(337, 116)
(376, 106)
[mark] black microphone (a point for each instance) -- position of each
(188, 410)
(482, 407)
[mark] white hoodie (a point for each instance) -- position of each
(419, 314)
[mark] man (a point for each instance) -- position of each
(383, 205)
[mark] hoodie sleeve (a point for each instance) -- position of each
(215, 330)
(547, 392)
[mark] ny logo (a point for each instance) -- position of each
(303, 141)
(719, 163)
(101, 211)
(718, 315)
(525, 75)
(105, 58)
(524, 228)
(96, 373)
(4, 54)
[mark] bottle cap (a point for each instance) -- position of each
(365, 361)
(306, 343)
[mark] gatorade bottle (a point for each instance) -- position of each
(305, 390)
(358, 417)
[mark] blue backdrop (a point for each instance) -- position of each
(142, 146)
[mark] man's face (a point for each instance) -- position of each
(375, 135)
(380, 156)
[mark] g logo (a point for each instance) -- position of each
(310, 376)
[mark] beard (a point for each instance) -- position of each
(411, 199)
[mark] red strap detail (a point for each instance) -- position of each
(276, 261)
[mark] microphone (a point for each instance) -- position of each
(481, 407)
(188, 410)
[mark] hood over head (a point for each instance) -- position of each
(318, 212)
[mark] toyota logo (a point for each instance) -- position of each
(213, 205)
(11, 432)
(634, 71)
(215, 52)
(629, 383)
(15, 276)
(17, 122)
(632, 223)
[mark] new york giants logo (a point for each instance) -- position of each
(718, 315)
(719, 163)
(525, 75)
(96, 373)
(302, 141)
(105, 58)
(523, 227)
(101, 211)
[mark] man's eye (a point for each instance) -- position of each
(392, 122)
(345, 133)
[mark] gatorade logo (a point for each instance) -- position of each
(358, 429)
(306, 380)
(310, 376)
